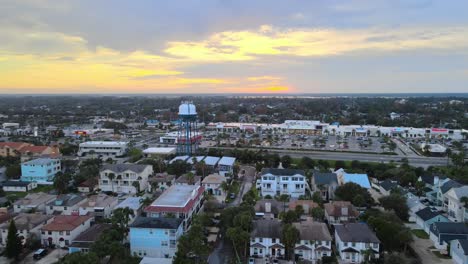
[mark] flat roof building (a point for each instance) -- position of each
(103, 148)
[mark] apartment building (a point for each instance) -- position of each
(124, 178)
(104, 149)
(275, 182)
(42, 170)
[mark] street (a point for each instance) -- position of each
(224, 251)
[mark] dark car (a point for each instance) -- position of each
(40, 253)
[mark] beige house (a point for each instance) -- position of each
(212, 184)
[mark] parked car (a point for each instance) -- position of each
(40, 253)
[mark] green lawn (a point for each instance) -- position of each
(420, 233)
(43, 188)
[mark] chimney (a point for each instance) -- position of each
(344, 211)
(267, 207)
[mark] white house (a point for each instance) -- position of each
(100, 205)
(26, 225)
(124, 178)
(275, 182)
(104, 149)
(265, 238)
(64, 228)
(352, 239)
(65, 204)
(456, 208)
(33, 202)
(459, 251)
(212, 184)
(315, 241)
(226, 166)
(414, 205)
(18, 186)
(442, 233)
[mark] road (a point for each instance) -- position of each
(417, 161)
(224, 251)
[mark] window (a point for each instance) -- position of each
(375, 245)
(260, 240)
(65, 208)
(164, 243)
(295, 178)
(273, 240)
(284, 178)
(66, 242)
(353, 244)
(172, 243)
(51, 207)
(298, 186)
(285, 186)
(61, 233)
(345, 244)
(50, 232)
(68, 233)
(265, 178)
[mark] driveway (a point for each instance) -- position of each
(421, 246)
(53, 256)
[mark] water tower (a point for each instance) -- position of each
(188, 137)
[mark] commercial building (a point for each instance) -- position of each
(124, 178)
(104, 149)
(63, 229)
(155, 237)
(275, 182)
(180, 201)
(41, 170)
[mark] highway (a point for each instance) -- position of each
(417, 161)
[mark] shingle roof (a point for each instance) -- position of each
(427, 213)
(160, 222)
(464, 245)
(282, 172)
(449, 185)
(28, 221)
(267, 228)
(67, 200)
(388, 185)
(325, 178)
(356, 232)
(461, 191)
(449, 228)
(315, 231)
(92, 234)
(428, 179)
(138, 168)
(334, 208)
(214, 179)
(15, 183)
(276, 207)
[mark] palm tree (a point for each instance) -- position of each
(190, 178)
(136, 184)
(224, 186)
(448, 153)
(111, 177)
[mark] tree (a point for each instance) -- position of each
(190, 178)
(178, 167)
(192, 246)
(13, 171)
(290, 236)
(350, 190)
(239, 238)
(317, 213)
(121, 217)
(299, 210)
(289, 217)
(79, 257)
(358, 200)
(397, 203)
(286, 161)
(61, 181)
(419, 185)
(284, 198)
(135, 154)
(14, 245)
(136, 184)
(317, 197)
(201, 168)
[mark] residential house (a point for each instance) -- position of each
(84, 241)
(124, 178)
(63, 229)
(65, 204)
(211, 162)
(315, 241)
(325, 183)
(212, 184)
(41, 170)
(160, 181)
(441, 233)
(226, 166)
(33, 202)
(99, 205)
(265, 239)
(269, 208)
(351, 240)
(442, 200)
(179, 201)
(427, 216)
(88, 185)
(456, 209)
(26, 225)
(18, 186)
(275, 182)
(155, 237)
(12, 149)
(387, 186)
(132, 203)
(307, 205)
(338, 212)
(459, 251)
(433, 190)
(186, 180)
(34, 152)
(414, 205)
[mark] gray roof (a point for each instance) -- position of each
(464, 245)
(138, 168)
(356, 232)
(40, 161)
(92, 233)
(15, 183)
(324, 178)
(160, 222)
(461, 191)
(388, 185)
(427, 213)
(282, 172)
(315, 231)
(276, 207)
(449, 185)
(267, 228)
(449, 228)
(25, 221)
(67, 200)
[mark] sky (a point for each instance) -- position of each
(233, 46)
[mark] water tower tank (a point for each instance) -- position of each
(187, 109)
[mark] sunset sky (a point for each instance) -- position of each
(233, 46)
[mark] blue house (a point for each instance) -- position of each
(155, 237)
(459, 251)
(41, 170)
(427, 216)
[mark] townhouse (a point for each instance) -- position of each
(325, 183)
(99, 205)
(179, 201)
(353, 239)
(18, 186)
(155, 237)
(269, 208)
(275, 182)
(442, 233)
(27, 225)
(65, 204)
(456, 208)
(315, 241)
(265, 238)
(338, 212)
(213, 185)
(459, 251)
(427, 216)
(124, 178)
(226, 166)
(33, 202)
(63, 229)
